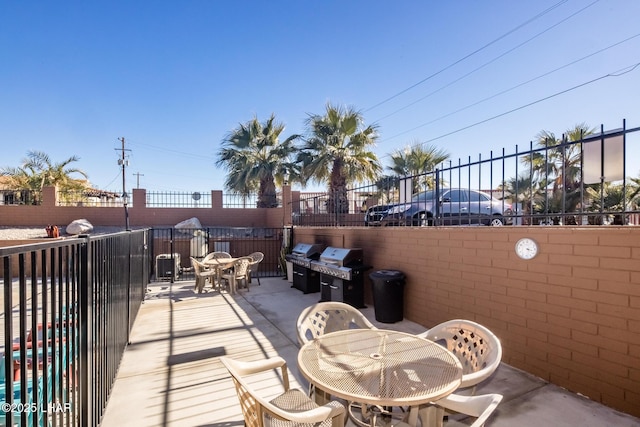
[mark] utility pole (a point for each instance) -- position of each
(138, 175)
(122, 161)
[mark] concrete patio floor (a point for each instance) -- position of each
(171, 374)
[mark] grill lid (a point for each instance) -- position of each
(341, 256)
(307, 250)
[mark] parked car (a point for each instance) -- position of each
(374, 214)
(457, 206)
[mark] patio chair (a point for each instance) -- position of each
(32, 384)
(257, 258)
(220, 254)
(330, 316)
(239, 272)
(480, 407)
(477, 348)
(16, 399)
(202, 275)
(290, 408)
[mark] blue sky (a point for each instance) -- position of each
(174, 77)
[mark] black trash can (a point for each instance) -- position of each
(388, 295)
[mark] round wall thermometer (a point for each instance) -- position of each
(526, 248)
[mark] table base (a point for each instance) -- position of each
(378, 416)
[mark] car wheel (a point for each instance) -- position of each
(427, 220)
(496, 221)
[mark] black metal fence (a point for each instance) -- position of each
(250, 201)
(556, 182)
(68, 308)
(201, 199)
(171, 248)
(173, 199)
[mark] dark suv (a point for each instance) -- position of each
(457, 206)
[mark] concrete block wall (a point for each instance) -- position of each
(142, 216)
(571, 315)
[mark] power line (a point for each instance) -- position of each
(113, 180)
(617, 73)
(524, 83)
(489, 62)
(182, 153)
(469, 55)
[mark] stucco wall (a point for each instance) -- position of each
(571, 315)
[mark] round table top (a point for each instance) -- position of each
(380, 367)
(215, 262)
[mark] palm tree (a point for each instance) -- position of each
(38, 171)
(387, 188)
(612, 197)
(633, 188)
(523, 190)
(416, 161)
(560, 166)
(256, 159)
(337, 150)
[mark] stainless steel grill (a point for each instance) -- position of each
(303, 253)
(338, 262)
(341, 277)
(301, 257)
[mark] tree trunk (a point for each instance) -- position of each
(267, 193)
(337, 201)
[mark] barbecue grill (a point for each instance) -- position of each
(341, 277)
(301, 256)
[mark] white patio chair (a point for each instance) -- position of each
(220, 254)
(202, 275)
(477, 348)
(239, 272)
(256, 258)
(480, 407)
(292, 408)
(330, 316)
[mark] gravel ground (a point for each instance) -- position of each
(22, 233)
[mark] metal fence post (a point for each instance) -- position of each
(85, 295)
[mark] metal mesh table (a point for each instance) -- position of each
(380, 367)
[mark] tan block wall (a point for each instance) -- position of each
(571, 315)
(142, 216)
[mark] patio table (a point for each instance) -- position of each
(220, 264)
(381, 368)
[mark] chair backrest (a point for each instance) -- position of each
(221, 254)
(480, 407)
(241, 267)
(477, 348)
(256, 257)
(329, 316)
(197, 267)
(250, 403)
(291, 408)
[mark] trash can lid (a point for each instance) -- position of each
(387, 274)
